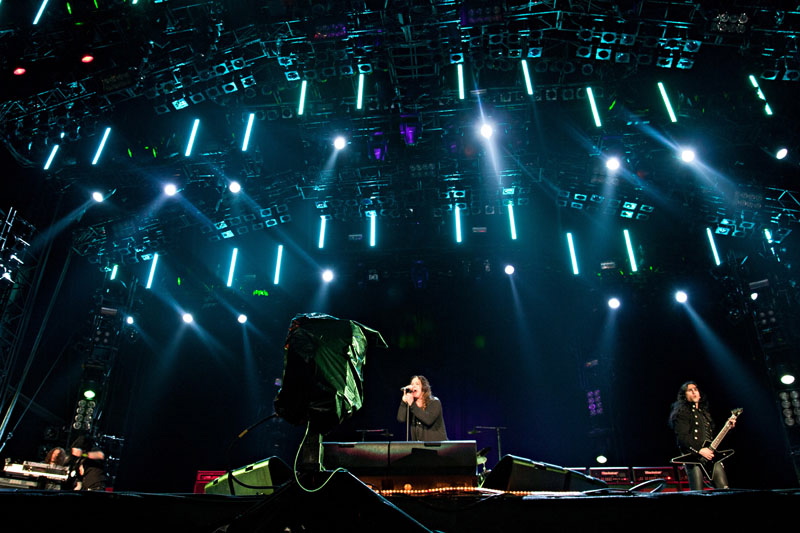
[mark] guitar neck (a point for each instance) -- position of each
(724, 431)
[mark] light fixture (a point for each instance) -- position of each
(339, 142)
(614, 303)
(681, 297)
(787, 378)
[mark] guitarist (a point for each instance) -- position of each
(693, 426)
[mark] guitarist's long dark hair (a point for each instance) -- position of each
(682, 404)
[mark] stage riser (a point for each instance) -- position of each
(406, 465)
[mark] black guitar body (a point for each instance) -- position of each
(702, 462)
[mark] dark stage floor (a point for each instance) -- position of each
(346, 504)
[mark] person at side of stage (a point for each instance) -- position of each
(88, 463)
(56, 456)
(691, 421)
(422, 411)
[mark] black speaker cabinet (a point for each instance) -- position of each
(516, 473)
(406, 465)
(254, 479)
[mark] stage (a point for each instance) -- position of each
(346, 504)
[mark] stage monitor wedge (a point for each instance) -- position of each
(518, 474)
(255, 479)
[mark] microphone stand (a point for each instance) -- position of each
(497, 429)
(408, 422)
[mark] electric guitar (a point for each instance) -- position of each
(719, 455)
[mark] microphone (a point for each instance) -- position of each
(406, 390)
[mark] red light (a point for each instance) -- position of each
(19, 71)
(87, 59)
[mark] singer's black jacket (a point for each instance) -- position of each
(426, 424)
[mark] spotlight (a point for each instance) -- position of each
(242, 319)
(486, 131)
(786, 378)
(781, 153)
(170, 189)
(87, 58)
(97, 196)
(612, 163)
(235, 187)
(681, 297)
(601, 459)
(327, 276)
(509, 269)
(19, 71)
(687, 156)
(129, 320)
(613, 303)
(188, 318)
(339, 143)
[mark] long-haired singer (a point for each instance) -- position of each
(421, 411)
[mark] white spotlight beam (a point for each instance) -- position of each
(232, 267)
(152, 272)
(511, 223)
(322, 224)
(373, 217)
(278, 262)
(461, 94)
(192, 135)
(360, 97)
(760, 94)
(40, 12)
(457, 215)
(101, 146)
(526, 73)
(595, 112)
(248, 131)
(713, 246)
(51, 157)
(301, 107)
(667, 103)
(572, 255)
(631, 256)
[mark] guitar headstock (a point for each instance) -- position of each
(736, 412)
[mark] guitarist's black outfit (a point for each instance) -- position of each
(693, 426)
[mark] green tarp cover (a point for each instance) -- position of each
(323, 380)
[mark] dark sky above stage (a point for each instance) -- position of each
(514, 352)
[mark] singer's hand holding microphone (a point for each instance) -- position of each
(407, 397)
